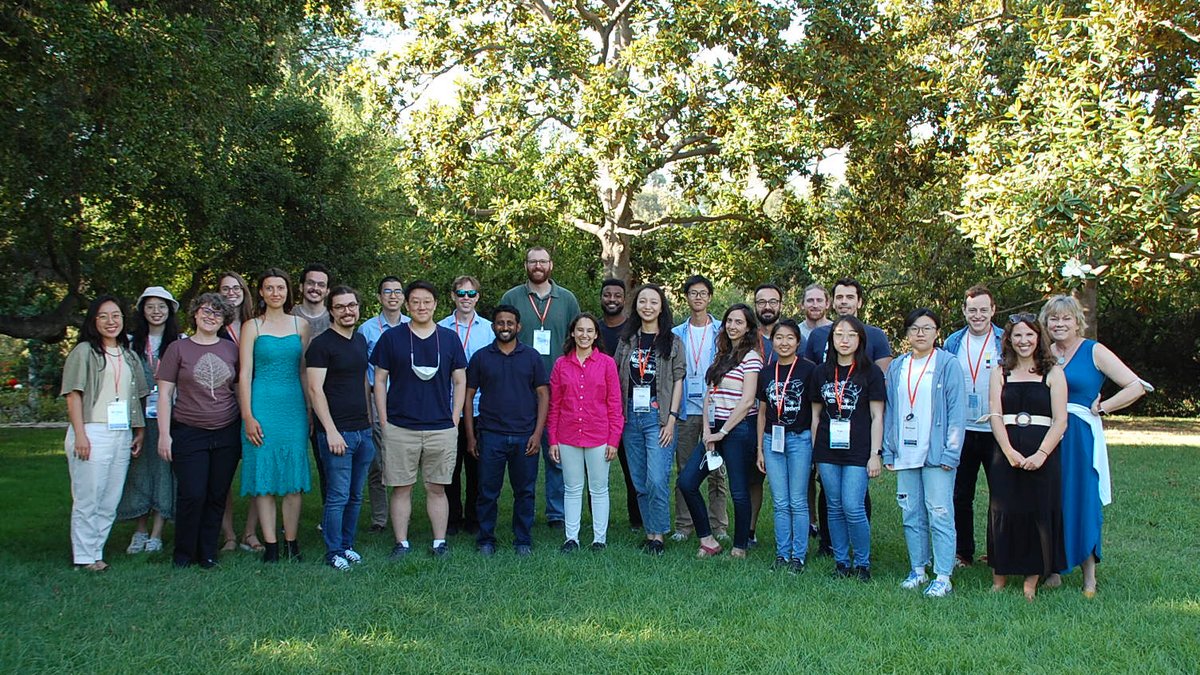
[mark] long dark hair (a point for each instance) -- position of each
(260, 305)
(246, 311)
(141, 328)
(1043, 358)
(729, 355)
(862, 362)
(665, 338)
(569, 343)
(90, 334)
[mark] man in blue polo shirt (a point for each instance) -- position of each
(391, 302)
(514, 391)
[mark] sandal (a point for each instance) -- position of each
(709, 551)
(230, 545)
(251, 543)
(98, 566)
(736, 552)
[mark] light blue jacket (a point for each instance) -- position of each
(954, 342)
(949, 411)
(682, 332)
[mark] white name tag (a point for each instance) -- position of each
(839, 434)
(777, 442)
(641, 398)
(152, 404)
(541, 341)
(118, 415)
(695, 388)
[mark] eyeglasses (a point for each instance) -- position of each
(464, 293)
(350, 306)
(697, 294)
(766, 303)
(230, 289)
(210, 312)
(921, 330)
(392, 291)
(540, 261)
(1022, 317)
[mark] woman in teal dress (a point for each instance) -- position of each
(274, 412)
(1086, 486)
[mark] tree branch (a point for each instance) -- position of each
(702, 151)
(1000, 15)
(543, 10)
(589, 16)
(644, 227)
(590, 228)
(1167, 23)
(618, 15)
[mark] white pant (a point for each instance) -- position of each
(573, 461)
(96, 486)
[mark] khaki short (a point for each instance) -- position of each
(407, 450)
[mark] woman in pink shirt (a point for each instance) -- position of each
(584, 425)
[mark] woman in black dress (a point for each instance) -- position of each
(1025, 514)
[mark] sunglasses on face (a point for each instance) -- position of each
(462, 293)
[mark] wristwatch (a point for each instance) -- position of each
(878, 453)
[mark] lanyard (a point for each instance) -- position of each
(643, 358)
(117, 376)
(781, 390)
(233, 329)
(762, 344)
(467, 338)
(544, 313)
(698, 350)
(151, 357)
(839, 392)
(974, 369)
(912, 391)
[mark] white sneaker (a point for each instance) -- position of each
(153, 545)
(913, 581)
(938, 589)
(339, 563)
(352, 555)
(138, 543)
(679, 536)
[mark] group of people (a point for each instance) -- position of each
(458, 401)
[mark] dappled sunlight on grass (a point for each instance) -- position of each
(627, 631)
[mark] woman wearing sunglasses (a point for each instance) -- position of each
(923, 430)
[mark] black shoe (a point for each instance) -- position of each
(841, 571)
(780, 563)
(376, 528)
(825, 551)
(654, 547)
(270, 552)
(440, 551)
(293, 551)
(598, 546)
(398, 552)
(523, 550)
(796, 566)
(555, 524)
(814, 531)
(753, 543)
(569, 546)
(208, 563)
(486, 550)
(863, 573)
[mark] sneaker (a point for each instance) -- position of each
(376, 528)
(398, 552)
(153, 545)
(780, 563)
(319, 528)
(209, 563)
(938, 589)
(352, 556)
(962, 561)
(598, 546)
(569, 546)
(138, 543)
(442, 550)
(841, 571)
(339, 563)
(862, 573)
(796, 566)
(654, 547)
(523, 550)
(913, 581)
(753, 543)
(722, 536)
(679, 536)
(486, 550)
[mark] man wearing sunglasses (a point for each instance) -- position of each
(977, 346)
(475, 333)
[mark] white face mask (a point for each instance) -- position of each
(713, 460)
(426, 373)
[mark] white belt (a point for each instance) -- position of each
(1025, 419)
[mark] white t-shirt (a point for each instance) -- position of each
(970, 358)
(916, 383)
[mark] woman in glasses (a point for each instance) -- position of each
(200, 428)
(1024, 478)
(923, 430)
(1085, 479)
(730, 407)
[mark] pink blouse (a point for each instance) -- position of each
(585, 402)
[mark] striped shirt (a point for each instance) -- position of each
(726, 395)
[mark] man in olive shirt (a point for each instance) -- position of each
(546, 310)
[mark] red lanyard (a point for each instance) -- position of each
(151, 357)
(643, 358)
(117, 377)
(912, 391)
(698, 350)
(781, 390)
(974, 369)
(233, 330)
(467, 338)
(544, 313)
(839, 392)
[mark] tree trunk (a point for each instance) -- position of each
(1086, 295)
(614, 254)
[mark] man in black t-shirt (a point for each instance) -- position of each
(612, 304)
(336, 369)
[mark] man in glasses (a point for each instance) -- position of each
(699, 336)
(474, 333)
(768, 306)
(546, 310)
(336, 370)
(977, 346)
(391, 302)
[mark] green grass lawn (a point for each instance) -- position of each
(614, 611)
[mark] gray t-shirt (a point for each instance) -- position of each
(205, 379)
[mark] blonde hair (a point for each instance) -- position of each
(1063, 304)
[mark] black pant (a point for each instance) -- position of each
(312, 443)
(464, 463)
(977, 447)
(204, 461)
(823, 516)
(631, 500)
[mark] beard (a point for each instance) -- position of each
(767, 318)
(612, 311)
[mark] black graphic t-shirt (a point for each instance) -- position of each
(781, 389)
(855, 395)
(643, 364)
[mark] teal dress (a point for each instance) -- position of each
(280, 465)
(1082, 518)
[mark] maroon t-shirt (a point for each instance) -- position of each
(205, 379)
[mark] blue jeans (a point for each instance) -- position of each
(649, 468)
(845, 490)
(926, 497)
(554, 484)
(740, 452)
(345, 476)
(496, 451)
(788, 473)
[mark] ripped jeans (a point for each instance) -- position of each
(926, 498)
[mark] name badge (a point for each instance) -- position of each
(152, 404)
(973, 403)
(541, 341)
(695, 388)
(839, 434)
(118, 416)
(641, 398)
(777, 442)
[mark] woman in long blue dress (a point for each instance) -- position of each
(1085, 480)
(274, 412)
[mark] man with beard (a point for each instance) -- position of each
(514, 396)
(612, 303)
(547, 309)
(314, 288)
(816, 306)
(768, 303)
